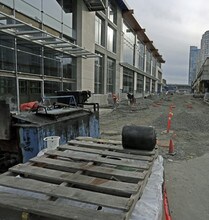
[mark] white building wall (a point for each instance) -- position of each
(85, 26)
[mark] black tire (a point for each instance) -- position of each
(138, 137)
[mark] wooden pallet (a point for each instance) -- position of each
(85, 179)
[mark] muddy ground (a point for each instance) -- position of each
(186, 172)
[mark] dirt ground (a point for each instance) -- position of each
(186, 172)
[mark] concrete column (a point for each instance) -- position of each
(145, 60)
(156, 86)
(135, 81)
(150, 89)
(85, 27)
(144, 85)
(151, 68)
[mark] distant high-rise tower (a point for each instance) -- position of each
(193, 63)
(204, 47)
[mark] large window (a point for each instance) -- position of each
(51, 87)
(153, 86)
(110, 75)
(8, 91)
(148, 62)
(140, 55)
(147, 85)
(69, 68)
(52, 63)
(128, 80)
(140, 83)
(111, 39)
(99, 31)
(7, 54)
(154, 63)
(112, 12)
(29, 90)
(28, 57)
(7, 86)
(99, 75)
(128, 45)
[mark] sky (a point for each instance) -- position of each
(173, 26)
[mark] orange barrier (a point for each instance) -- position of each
(165, 204)
(171, 147)
(169, 121)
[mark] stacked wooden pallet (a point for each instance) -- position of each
(85, 179)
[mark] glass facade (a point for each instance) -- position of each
(7, 53)
(111, 39)
(55, 14)
(33, 60)
(140, 55)
(193, 63)
(112, 12)
(8, 91)
(147, 89)
(68, 86)
(110, 75)
(140, 83)
(99, 31)
(153, 86)
(154, 63)
(68, 68)
(52, 63)
(99, 75)
(28, 57)
(148, 62)
(47, 70)
(128, 45)
(29, 90)
(51, 87)
(37, 70)
(128, 80)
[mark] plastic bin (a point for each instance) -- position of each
(52, 142)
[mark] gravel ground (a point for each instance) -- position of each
(186, 172)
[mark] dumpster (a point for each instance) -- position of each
(67, 123)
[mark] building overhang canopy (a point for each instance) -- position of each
(95, 5)
(140, 32)
(15, 27)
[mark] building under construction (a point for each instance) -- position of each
(58, 45)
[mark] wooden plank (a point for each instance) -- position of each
(98, 159)
(52, 210)
(99, 140)
(105, 152)
(103, 172)
(54, 190)
(106, 146)
(86, 182)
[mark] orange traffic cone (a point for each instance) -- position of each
(171, 147)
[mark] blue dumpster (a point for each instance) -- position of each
(67, 123)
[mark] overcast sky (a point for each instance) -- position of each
(173, 26)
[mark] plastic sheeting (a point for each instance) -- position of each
(149, 207)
